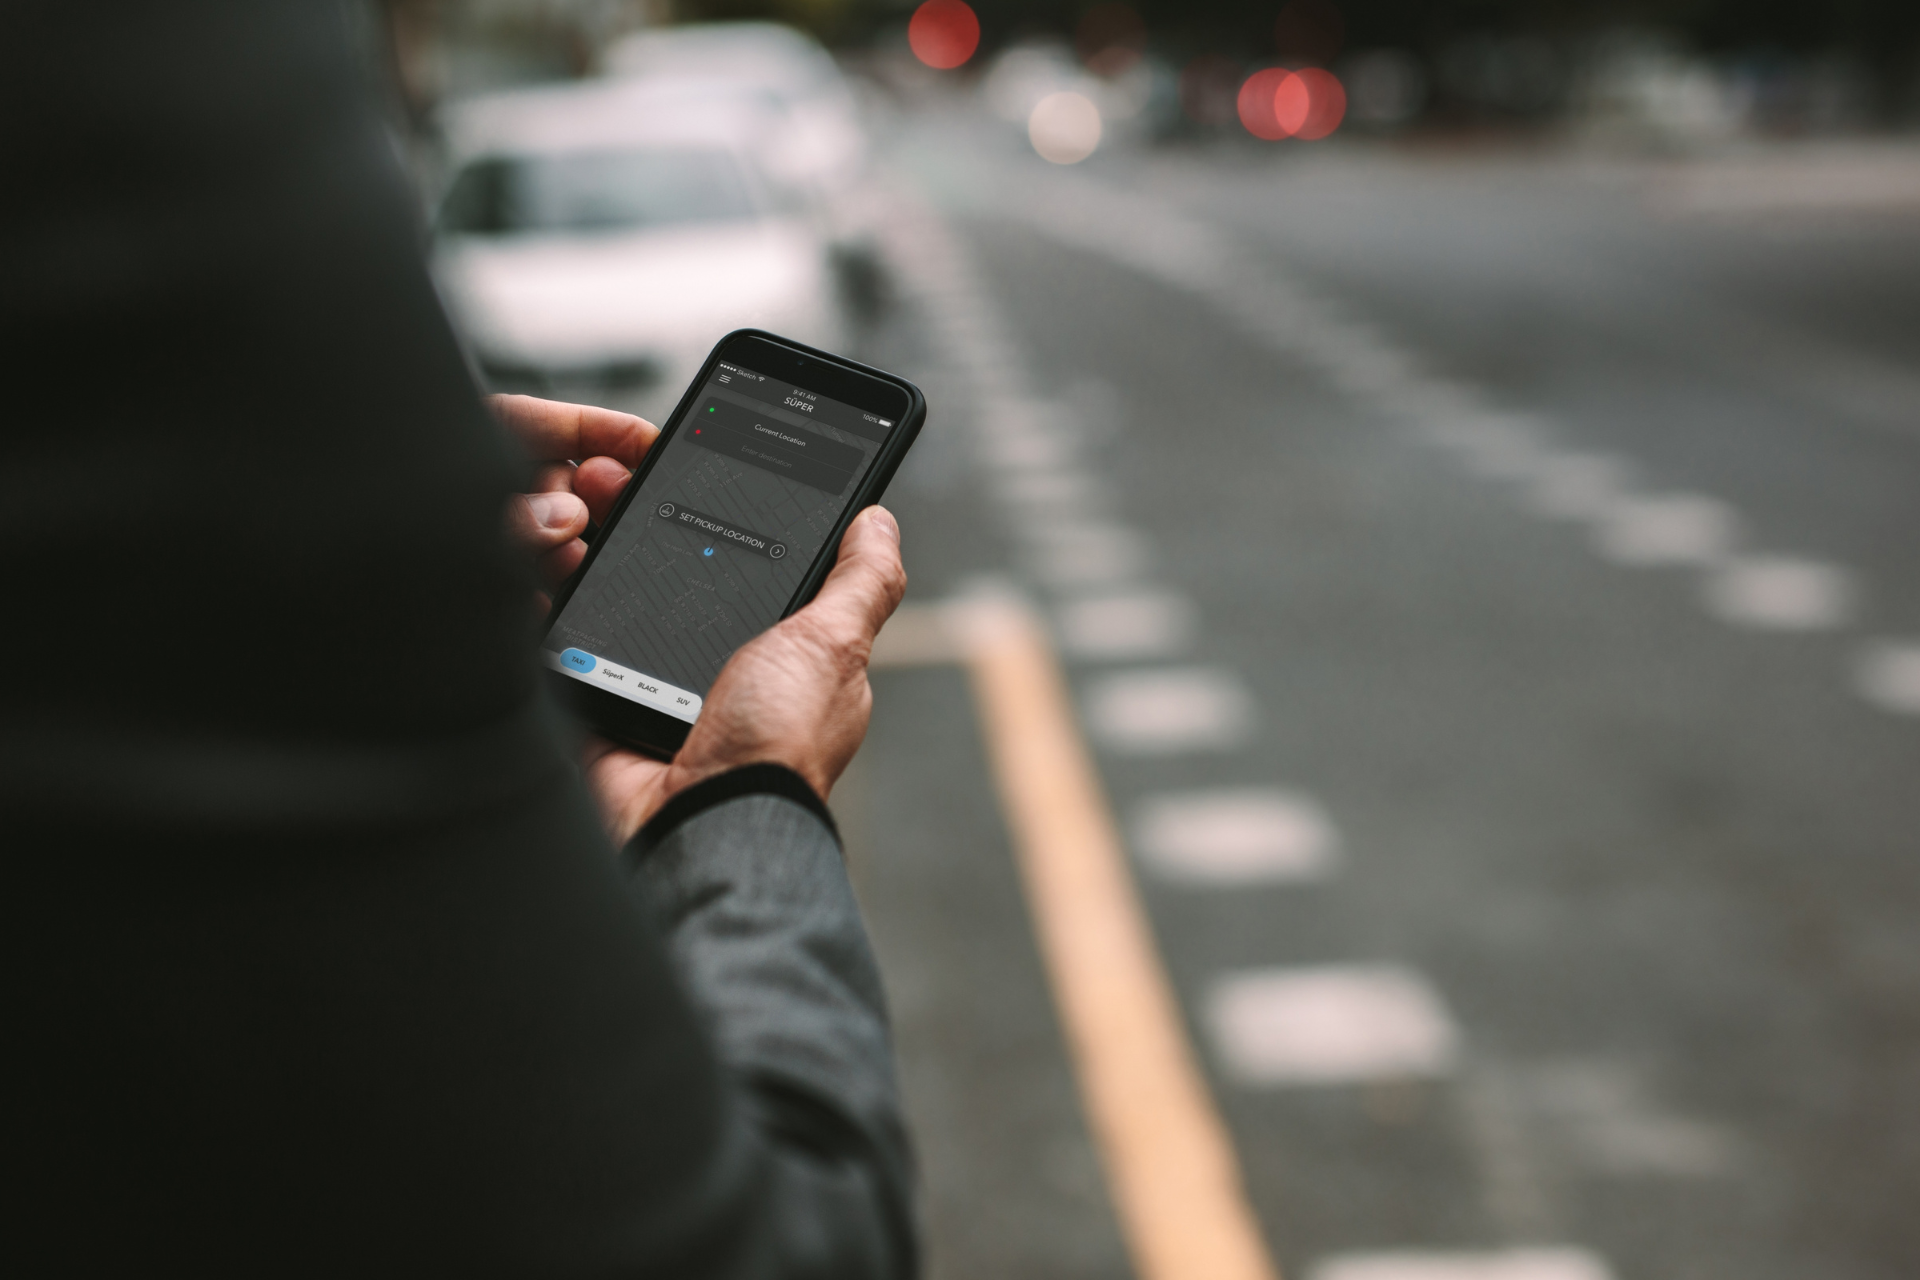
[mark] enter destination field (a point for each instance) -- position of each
(772, 445)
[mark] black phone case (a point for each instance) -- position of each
(654, 732)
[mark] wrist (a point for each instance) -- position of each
(718, 786)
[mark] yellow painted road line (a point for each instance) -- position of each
(1170, 1166)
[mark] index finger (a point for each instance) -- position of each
(550, 430)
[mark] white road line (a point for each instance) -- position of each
(1333, 1025)
(1061, 490)
(1238, 836)
(1781, 594)
(1611, 1122)
(1887, 674)
(1869, 176)
(1140, 623)
(1169, 1160)
(1169, 711)
(1083, 553)
(1580, 486)
(1008, 448)
(1478, 430)
(1157, 240)
(1672, 529)
(1170, 1163)
(1509, 1264)
(1366, 365)
(1433, 398)
(1502, 447)
(1518, 1189)
(1032, 449)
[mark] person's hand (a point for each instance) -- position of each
(797, 695)
(587, 455)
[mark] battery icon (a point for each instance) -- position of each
(883, 422)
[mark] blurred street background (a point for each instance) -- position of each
(1465, 460)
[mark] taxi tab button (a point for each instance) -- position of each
(578, 660)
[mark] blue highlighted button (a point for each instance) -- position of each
(578, 660)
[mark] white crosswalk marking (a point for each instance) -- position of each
(1780, 594)
(1339, 1024)
(1090, 552)
(1510, 1264)
(1680, 528)
(1236, 836)
(1510, 450)
(1169, 710)
(1043, 492)
(1010, 449)
(1579, 486)
(1126, 624)
(1888, 675)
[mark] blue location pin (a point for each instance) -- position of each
(707, 552)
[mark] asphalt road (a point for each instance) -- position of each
(1490, 589)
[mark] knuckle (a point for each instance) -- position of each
(831, 641)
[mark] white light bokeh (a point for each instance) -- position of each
(1064, 127)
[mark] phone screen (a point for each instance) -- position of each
(711, 550)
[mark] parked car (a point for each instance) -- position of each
(595, 239)
(816, 143)
(822, 140)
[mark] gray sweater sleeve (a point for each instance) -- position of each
(752, 895)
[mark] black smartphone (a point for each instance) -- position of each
(731, 523)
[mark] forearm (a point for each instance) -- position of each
(753, 900)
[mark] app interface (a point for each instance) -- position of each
(713, 547)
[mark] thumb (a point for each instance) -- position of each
(868, 579)
(540, 521)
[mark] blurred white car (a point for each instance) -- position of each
(822, 140)
(595, 240)
(816, 145)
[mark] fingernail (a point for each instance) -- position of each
(542, 509)
(884, 520)
(553, 511)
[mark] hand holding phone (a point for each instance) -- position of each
(730, 523)
(796, 695)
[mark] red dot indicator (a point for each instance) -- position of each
(943, 33)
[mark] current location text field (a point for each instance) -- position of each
(774, 445)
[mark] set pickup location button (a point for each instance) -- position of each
(720, 531)
(771, 444)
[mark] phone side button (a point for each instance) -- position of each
(578, 660)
